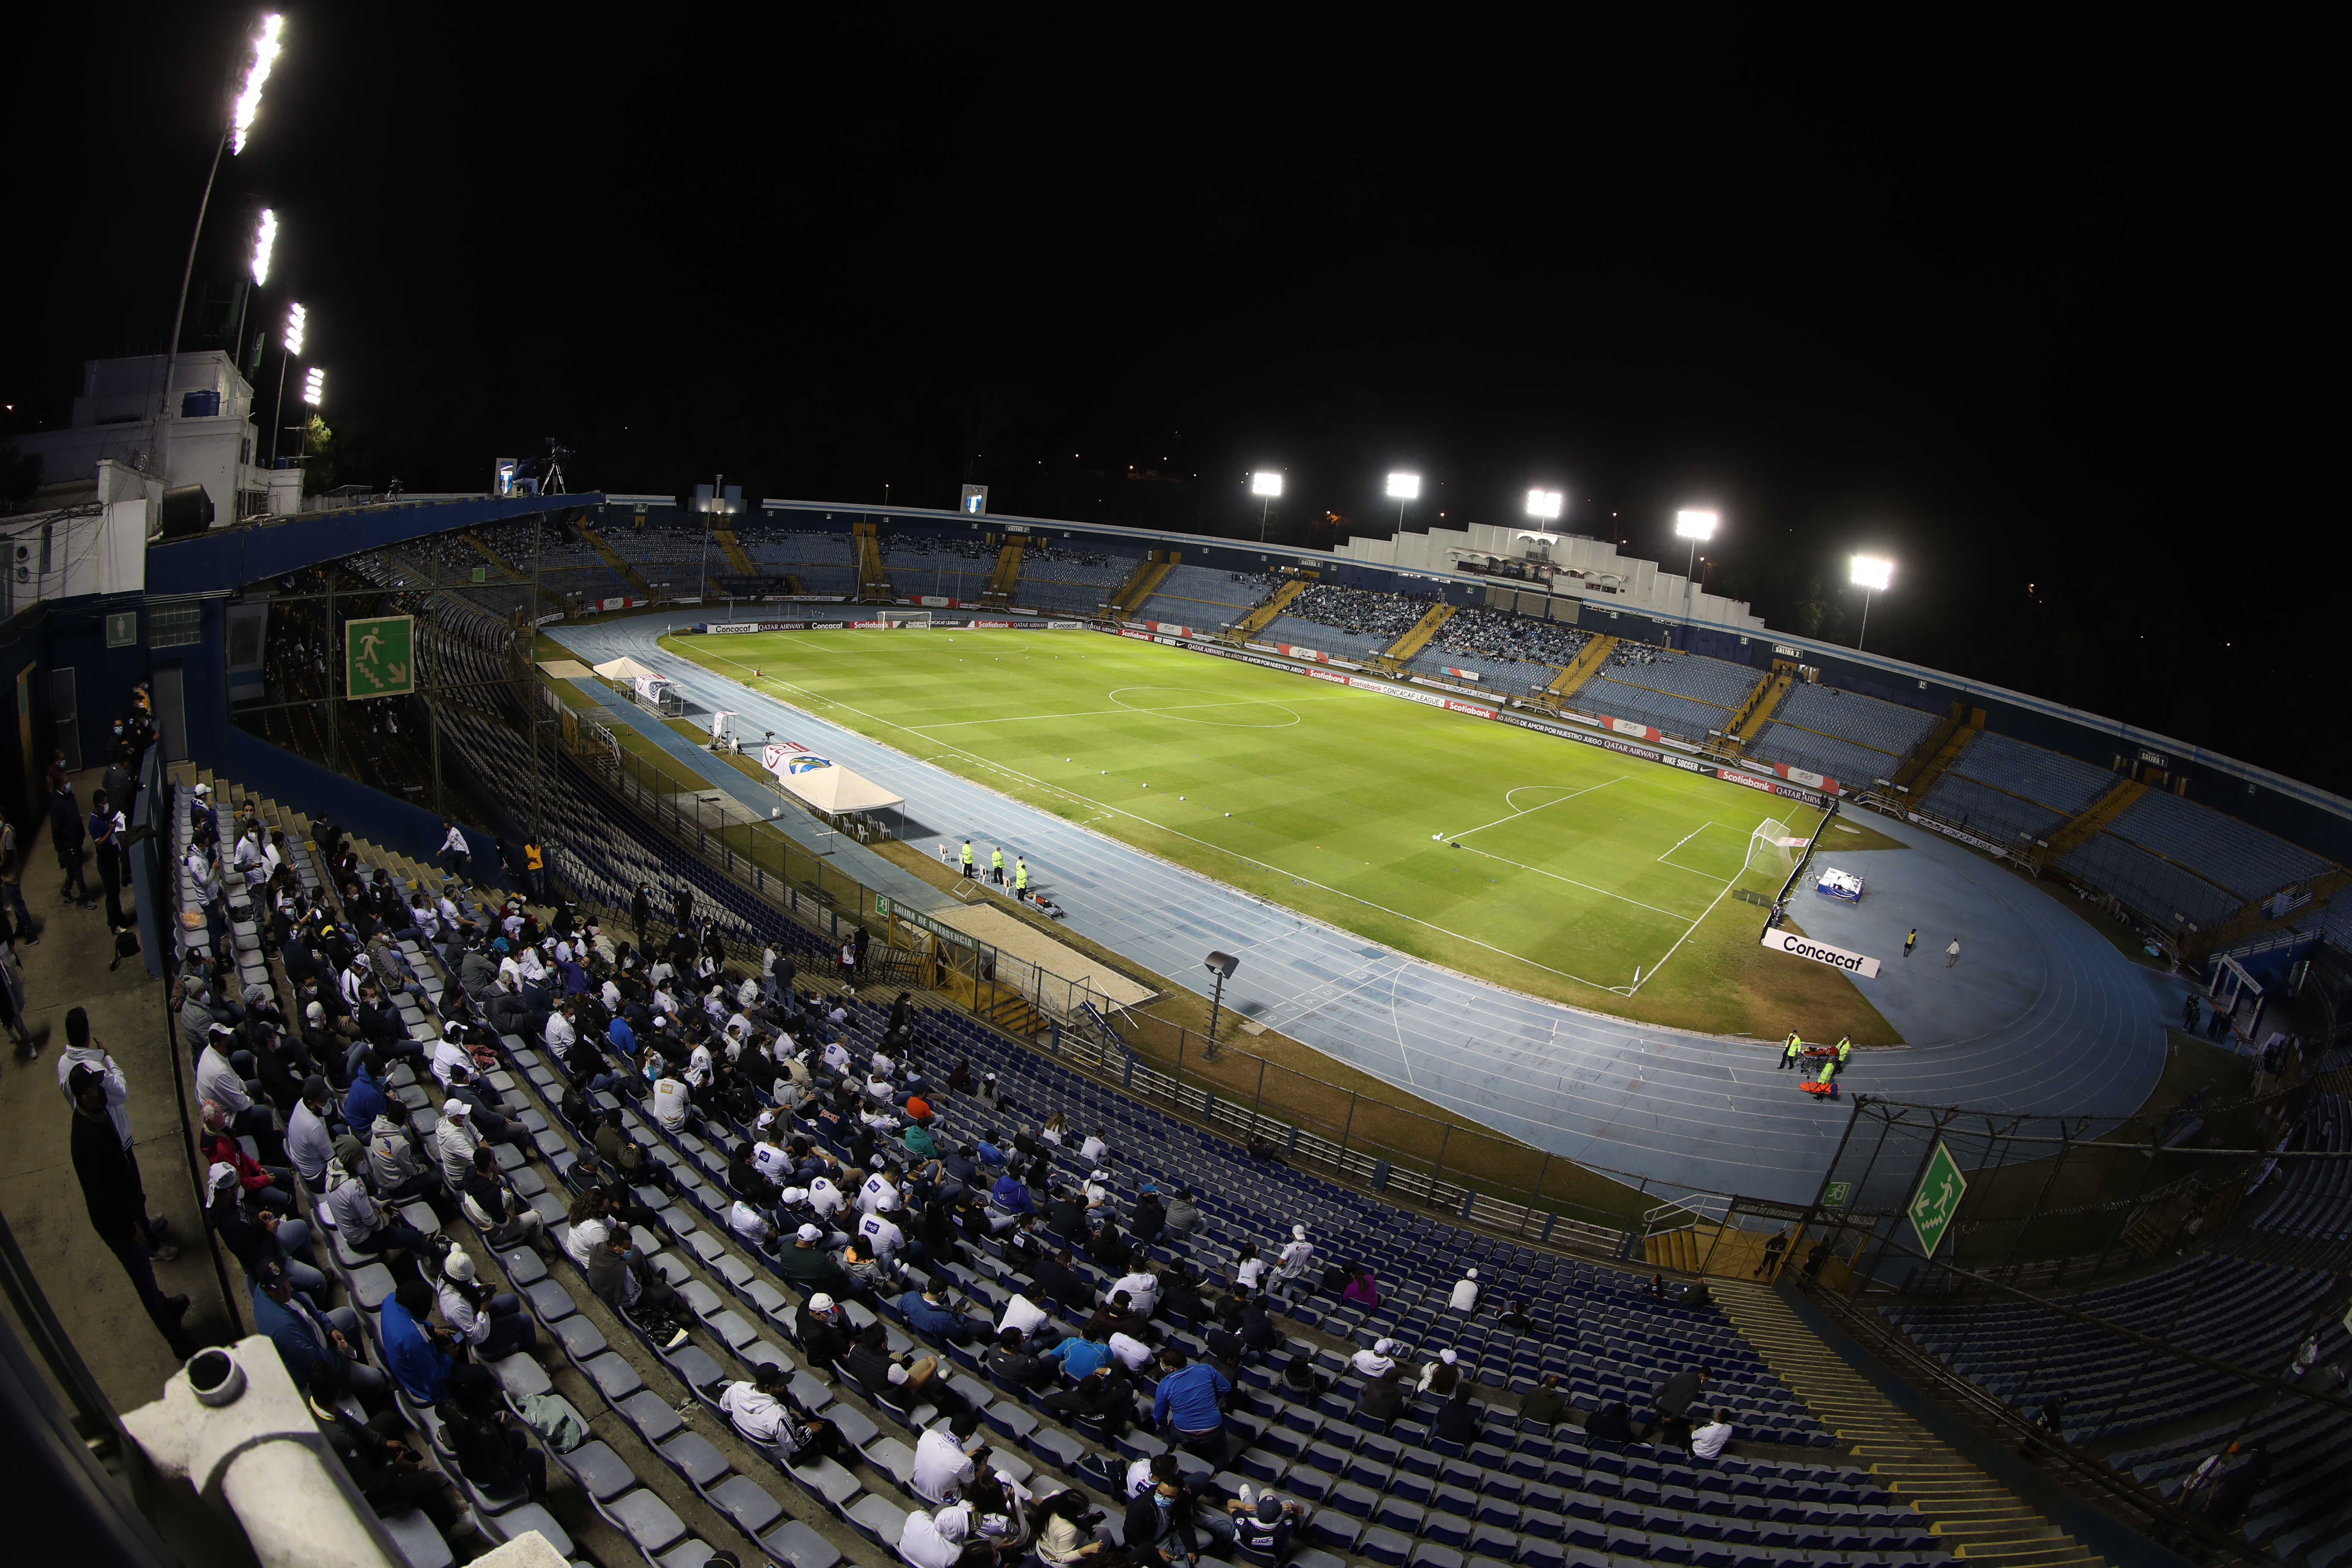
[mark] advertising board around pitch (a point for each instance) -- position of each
(380, 656)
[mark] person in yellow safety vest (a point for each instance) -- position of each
(1020, 874)
(1828, 1074)
(534, 865)
(1844, 1050)
(996, 867)
(967, 858)
(1792, 1051)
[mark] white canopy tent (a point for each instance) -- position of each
(624, 669)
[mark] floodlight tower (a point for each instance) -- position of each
(265, 241)
(1699, 527)
(314, 393)
(233, 137)
(1872, 576)
(295, 320)
(1403, 489)
(1268, 484)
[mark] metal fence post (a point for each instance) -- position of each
(1536, 1198)
(1259, 1098)
(1346, 1128)
(1439, 1169)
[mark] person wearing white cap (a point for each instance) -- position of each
(1439, 1377)
(495, 1325)
(1097, 1190)
(1381, 1358)
(455, 1141)
(935, 1540)
(1465, 1293)
(1289, 1282)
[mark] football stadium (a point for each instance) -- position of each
(688, 1028)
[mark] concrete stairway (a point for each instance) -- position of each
(1005, 577)
(738, 560)
(1588, 658)
(1941, 749)
(1757, 712)
(873, 576)
(492, 556)
(609, 557)
(1978, 1517)
(1417, 635)
(1141, 584)
(1257, 620)
(2102, 811)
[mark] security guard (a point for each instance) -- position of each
(1828, 1075)
(967, 860)
(1794, 1049)
(534, 863)
(1844, 1050)
(996, 866)
(1021, 874)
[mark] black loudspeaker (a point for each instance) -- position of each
(186, 509)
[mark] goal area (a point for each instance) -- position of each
(907, 620)
(1767, 853)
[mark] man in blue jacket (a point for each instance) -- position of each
(417, 1350)
(1189, 1406)
(927, 1313)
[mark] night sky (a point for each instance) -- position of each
(2052, 334)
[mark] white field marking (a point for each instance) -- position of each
(1051, 788)
(1530, 810)
(1694, 870)
(1112, 712)
(1670, 914)
(1686, 936)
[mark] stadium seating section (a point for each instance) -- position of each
(1203, 597)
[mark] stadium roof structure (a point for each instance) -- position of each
(223, 560)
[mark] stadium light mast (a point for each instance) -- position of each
(1699, 527)
(1872, 576)
(314, 393)
(241, 115)
(295, 320)
(265, 241)
(1268, 484)
(1403, 489)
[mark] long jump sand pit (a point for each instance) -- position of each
(1009, 933)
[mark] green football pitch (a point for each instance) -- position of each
(1554, 867)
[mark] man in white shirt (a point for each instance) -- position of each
(825, 1199)
(885, 1235)
(1093, 1150)
(560, 1031)
(879, 1195)
(837, 1057)
(752, 1225)
(1377, 1362)
(1131, 1353)
(449, 1053)
(1142, 1288)
(1465, 1293)
(883, 1067)
(942, 1467)
(1706, 1442)
(218, 1082)
(671, 1104)
(1289, 1283)
(698, 1066)
(455, 1141)
(308, 1144)
(935, 1540)
(771, 1162)
(1024, 1314)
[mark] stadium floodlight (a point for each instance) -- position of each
(1404, 488)
(1265, 484)
(1221, 966)
(248, 102)
(264, 239)
(1872, 576)
(1547, 504)
(296, 319)
(314, 387)
(1697, 525)
(240, 121)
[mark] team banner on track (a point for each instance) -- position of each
(1796, 946)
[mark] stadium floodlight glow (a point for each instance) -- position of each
(314, 387)
(1691, 524)
(1405, 487)
(1265, 484)
(264, 239)
(1872, 576)
(248, 102)
(295, 318)
(1547, 504)
(1697, 525)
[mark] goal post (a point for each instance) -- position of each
(909, 620)
(1767, 853)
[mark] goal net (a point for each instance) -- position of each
(909, 620)
(1767, 854)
